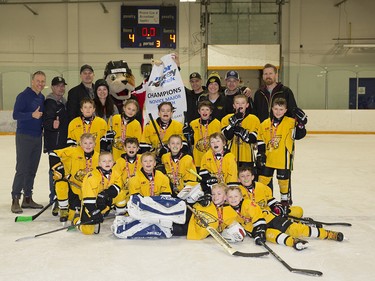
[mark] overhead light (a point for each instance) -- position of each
(359, 45)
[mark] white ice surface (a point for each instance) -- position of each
(333, 180)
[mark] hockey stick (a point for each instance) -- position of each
(312, 221)
(224, 243)
(191, 171)
(155, 128)
(68, 228)
(31, 218)
(291, 269)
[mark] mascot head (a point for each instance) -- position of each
(120, 79)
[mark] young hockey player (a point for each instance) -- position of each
(218, 164)
(87, 123)
(276, 138)
(251, 218)
(249, 214)
(177, 165)
(101, 189)
(165, 127)
(240, 129)
(69, 166)
(200, 129)
(122, 126)
(279, 228)
(129, 163)
(216, 213)
(262, 194)
(148, 181)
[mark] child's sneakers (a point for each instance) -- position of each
(299, 244)
(333, 235)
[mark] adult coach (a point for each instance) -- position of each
(77, 93)
(28, 111)
(272, 89)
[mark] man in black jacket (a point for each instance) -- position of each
(84, 89)
(272, 89)
(55, 124)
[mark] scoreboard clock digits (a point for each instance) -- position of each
(148, 27)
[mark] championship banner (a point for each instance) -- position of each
(165, 85)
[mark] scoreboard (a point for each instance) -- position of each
(148, 27)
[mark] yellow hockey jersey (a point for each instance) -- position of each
(97, 127)
(178, 171)
(278, 142)
(225, 169)
(142, 185)
(150, 137)
(123, 130)
(76, 165)
(250, 215)
(251, 123)
(201, 137)
(217, 217)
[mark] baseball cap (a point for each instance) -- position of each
(232, 74)
(195, 75)
(57, 80)
(86, 66)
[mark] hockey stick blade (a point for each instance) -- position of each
(291, 269)
(69, 227)
(31, 218)
(310, 220)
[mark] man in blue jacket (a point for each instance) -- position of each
(28, 111)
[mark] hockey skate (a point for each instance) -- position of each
(333, 235)
(64, 215)
(299, 244)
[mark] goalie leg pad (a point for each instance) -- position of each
(129, 228)
(157, 208)
(234, 233)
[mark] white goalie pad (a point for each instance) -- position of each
(157, 208)
(129, 228)
(191, 193)
(234, 233)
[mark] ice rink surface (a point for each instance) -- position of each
(333, 180)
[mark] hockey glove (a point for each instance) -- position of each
(188, 132)
(259, 234)
(96, 217)
(300, 115)
(110, 135)
(261, 160)
(235, 119)
(163, 150)
(204, 200)
(103, 200)
(71, 142)
(211, 181)
(242, 133)
(58, 171)
(279, 209)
